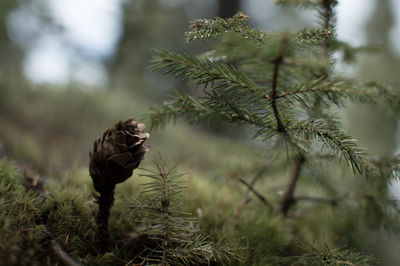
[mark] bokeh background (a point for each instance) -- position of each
(70, 69)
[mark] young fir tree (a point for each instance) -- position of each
(283, 86)
(171, 237)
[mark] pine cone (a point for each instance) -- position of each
(117, 153)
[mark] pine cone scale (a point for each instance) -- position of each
(117, 153)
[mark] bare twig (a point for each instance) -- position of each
(288, 198)
(280, 126)
(274, 86)
(246, 196)
(258, 195)
(58, 251)
(237, 212)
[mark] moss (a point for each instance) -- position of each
(68, 212)
(21, 238)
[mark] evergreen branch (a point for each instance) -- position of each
(327, 15)
(242, 112)
(335, 139)
(201, 72)
(335, 91)
(314, 35)
(332, 256)
(174, 239)
(181, 105)
(201, 251)
(234, 48)
(205, 29)
(212, 107)
(393, 165)
(379, 91)
(350, 52)
(327, 90)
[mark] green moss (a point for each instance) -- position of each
(259, 237)
(21, 237)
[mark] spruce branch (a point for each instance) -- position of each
(332, 256)
(205, 29)
(278, 84)
(181, 104)
(350, 53)
(314, 35)
(354, 155)
(214, 107)
(337, 90)
(201, 72)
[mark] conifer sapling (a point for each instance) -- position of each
(114, 157)
(282, 86)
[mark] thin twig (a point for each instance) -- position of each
(328, 15)
(246, 196)
(236, 214)
(277, 62)
(280, 126)
(36, 185)
(315, 90)
(257, 194)
(288, 198)
(58, 251)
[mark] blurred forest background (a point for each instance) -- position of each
(70, 69)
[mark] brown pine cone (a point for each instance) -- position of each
(117, 153)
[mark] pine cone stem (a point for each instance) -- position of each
(113, 158)
(105, 202)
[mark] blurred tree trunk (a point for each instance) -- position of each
(11, 55)
(381, 22)
(146, 25)
(374, 127)
(228, 8)
(372, 124)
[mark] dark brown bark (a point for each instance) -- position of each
(288, 198)
(105, 202)
(280, 126)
